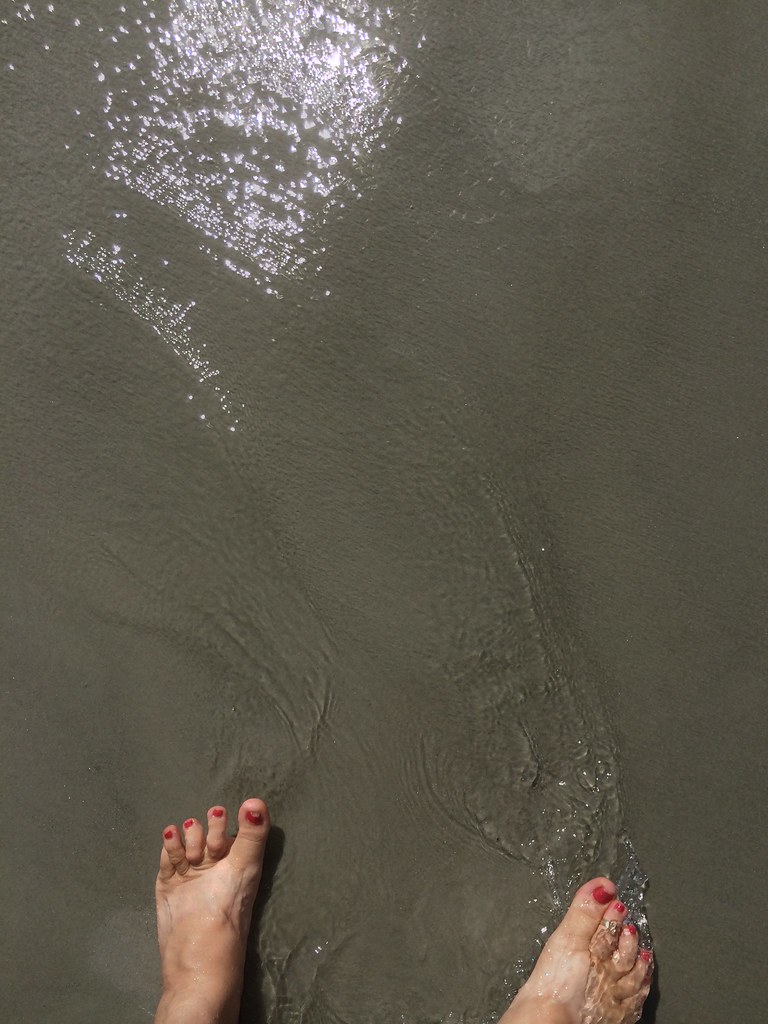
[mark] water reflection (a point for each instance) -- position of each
(250, 120)
(120, 272)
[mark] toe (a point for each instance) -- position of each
(218, 843)
(605, 940)
(174, 850)
(625, 955)
(247, 851)
(587, 910)
(638, 978)
(635, 986)
(194, 841)
(645, 961)
(167, 870)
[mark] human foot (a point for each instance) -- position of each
(205, 891)
(591, 970)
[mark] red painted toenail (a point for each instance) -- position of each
(620, 908)
(631, 929)
(168, 834)
(217, 812)
(189, 823)
(645, 954)
(255, 818)
(601, 895)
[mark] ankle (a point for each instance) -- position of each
(199, 1002)
(530, 1007)
(210, 950)
(202, 976)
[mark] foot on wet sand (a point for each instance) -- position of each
(591, 970)
(205, 891)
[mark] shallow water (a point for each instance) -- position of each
(383, 437)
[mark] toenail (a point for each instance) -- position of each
(189, 823)
(601, 895)
(645, 954)
(631, 929)
(217, 812)
(168, 834)
(255, 817)
(620, 908)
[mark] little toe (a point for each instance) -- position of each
(174, 850)
(194, 841)
(218, 843)
(247, 851)
(167, 870)
(625, 955)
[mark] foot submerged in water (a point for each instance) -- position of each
(205, 892)
(591, 971)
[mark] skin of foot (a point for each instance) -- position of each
(205, 891)
(591, 971)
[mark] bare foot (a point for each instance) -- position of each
(591, 970)
(205, 893)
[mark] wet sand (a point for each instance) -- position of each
(457, 559)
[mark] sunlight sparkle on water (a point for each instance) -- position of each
(121, 273)
(253, 119)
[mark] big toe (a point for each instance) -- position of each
(587, 910)
(247, 852)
